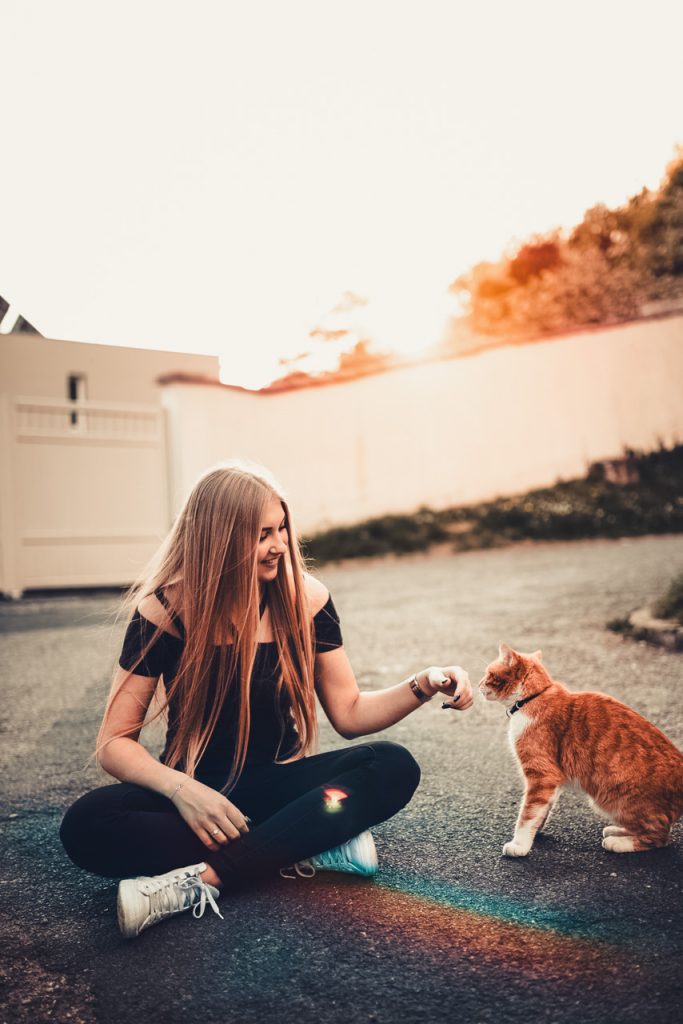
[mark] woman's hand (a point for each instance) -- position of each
(452, 681)
(209, 814)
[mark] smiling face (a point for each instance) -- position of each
(273, 540)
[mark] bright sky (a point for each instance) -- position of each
(213, 176)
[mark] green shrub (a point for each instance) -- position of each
(671, 605)
(391, 534)
(649, 503)
(620, 626)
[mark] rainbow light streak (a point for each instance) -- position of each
(487, 932)
(471, 940)
(570, 924)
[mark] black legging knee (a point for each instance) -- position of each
(124, 829)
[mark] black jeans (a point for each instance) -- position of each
(124, 829)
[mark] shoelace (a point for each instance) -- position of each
(171, 895)
(304, 869)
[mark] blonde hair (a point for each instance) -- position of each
(210, 556)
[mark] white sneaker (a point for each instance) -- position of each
(148, 899)
(356, 857)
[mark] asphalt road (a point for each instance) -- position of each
(449, 930)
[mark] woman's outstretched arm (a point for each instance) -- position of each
(353, 713)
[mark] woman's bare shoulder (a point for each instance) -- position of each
(317, 593)
(151, 608)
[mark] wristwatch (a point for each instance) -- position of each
(418, 691)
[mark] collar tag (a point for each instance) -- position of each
(520, 703)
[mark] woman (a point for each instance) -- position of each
(242, 638)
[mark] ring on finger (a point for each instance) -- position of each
(215, 831)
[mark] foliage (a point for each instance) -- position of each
(349, 349)
(394, 534)
(671, 605)
(603, 271)
(592, 507)
(620, 625)
(659, 229)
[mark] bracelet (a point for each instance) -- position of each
(179, 786)
(418, 691)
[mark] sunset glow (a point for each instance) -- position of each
(254, 164)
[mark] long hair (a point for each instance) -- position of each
(210, 558)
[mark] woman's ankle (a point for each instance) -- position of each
(210, 876)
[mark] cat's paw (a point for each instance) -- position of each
(513, 849)
(619, 844)
(613, 830)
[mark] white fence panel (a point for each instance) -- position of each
(84, 492)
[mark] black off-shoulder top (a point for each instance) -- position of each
(272, 732)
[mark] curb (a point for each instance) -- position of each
(666, 633)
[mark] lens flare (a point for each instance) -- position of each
(333, 799)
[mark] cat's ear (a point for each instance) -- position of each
(506, 654)
(538, 655)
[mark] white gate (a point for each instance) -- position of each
(83, 492)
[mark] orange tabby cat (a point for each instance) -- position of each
(632, 773)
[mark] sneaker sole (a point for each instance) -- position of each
(367, 855)
(130, 908)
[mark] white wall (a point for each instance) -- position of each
(86, 503)
(442, 433)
